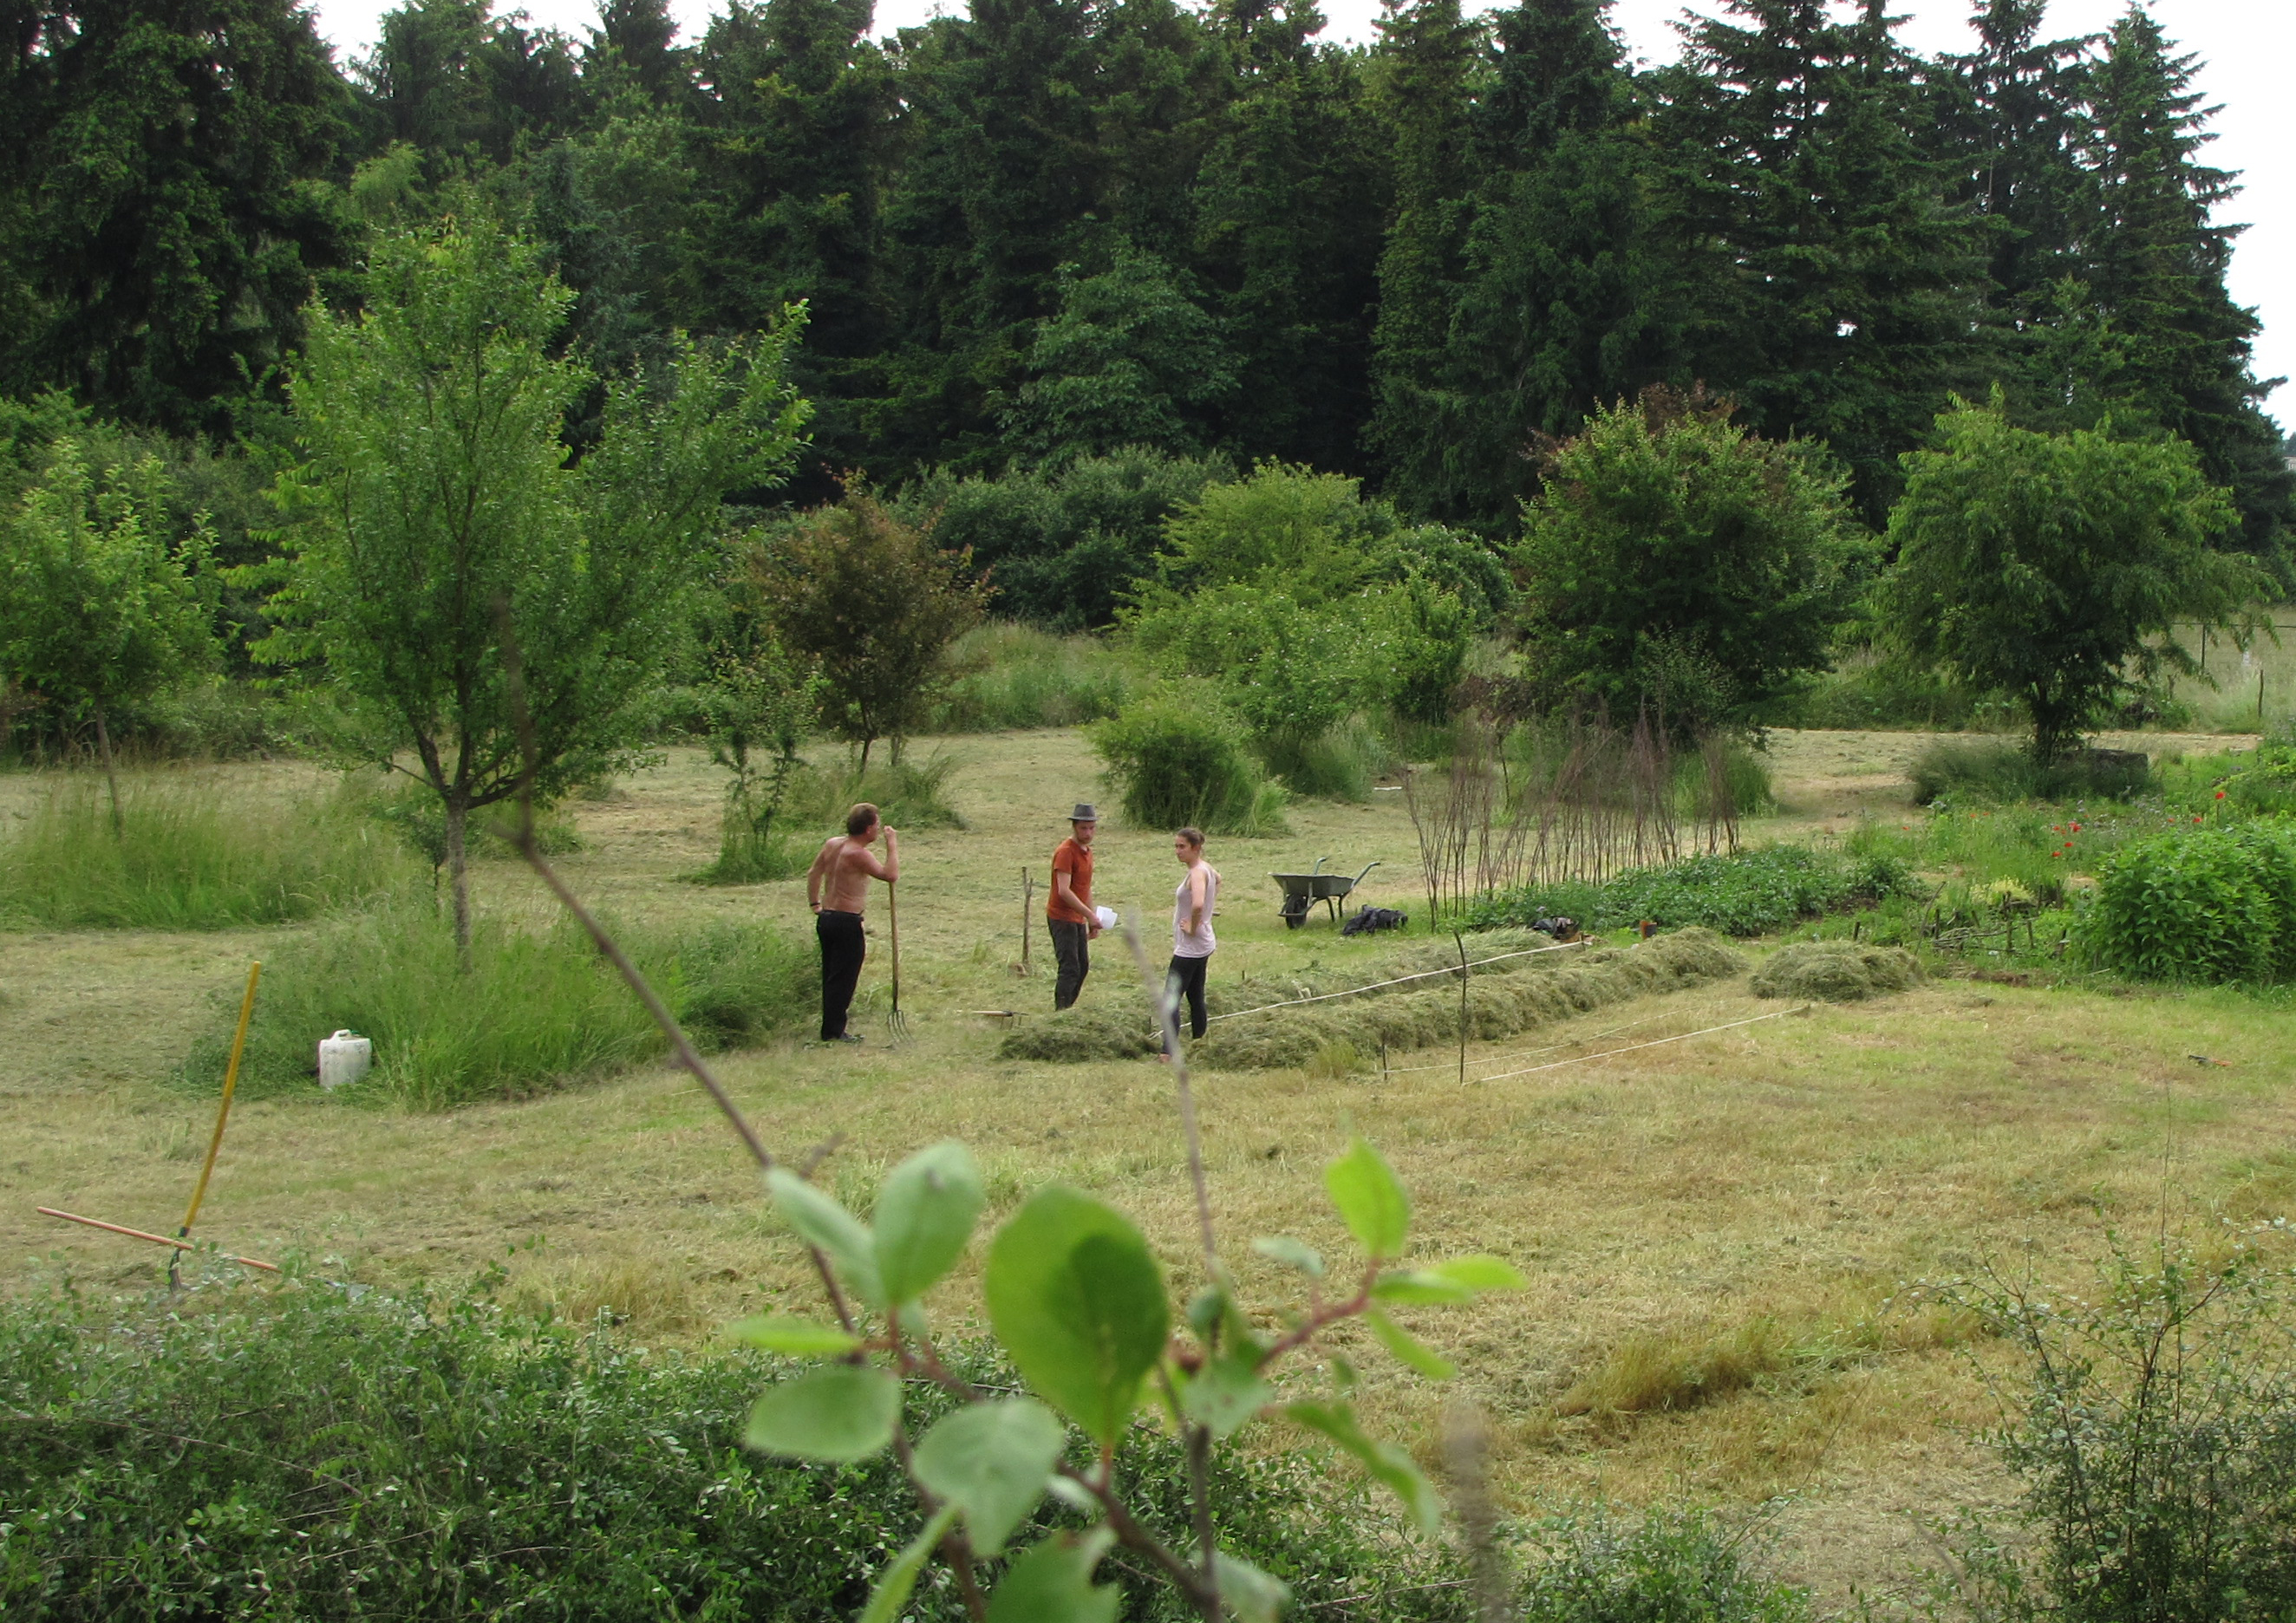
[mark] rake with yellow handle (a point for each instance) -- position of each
(223, 1114)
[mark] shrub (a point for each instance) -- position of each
(1014, 676)
(1174, 758)
(1868, 691)
(433, 1456)
(186, 858)
(2157, 1439)
(532, 1011)
(2204, 903)
(1835, 972)
(1592, 1567)
(1338, 765)
(1725, 779)
(1997, 770)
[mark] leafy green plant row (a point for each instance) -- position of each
(1738, 893)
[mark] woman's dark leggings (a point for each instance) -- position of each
(1185, 978)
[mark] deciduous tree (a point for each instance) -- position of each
(445, 511)
(2056, 566)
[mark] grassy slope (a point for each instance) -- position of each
(1795, 1171)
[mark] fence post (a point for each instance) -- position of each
(1027, 895)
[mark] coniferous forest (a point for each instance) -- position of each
(1057, 228)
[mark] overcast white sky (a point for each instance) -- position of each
(2246, 47)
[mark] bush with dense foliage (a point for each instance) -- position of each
(2210, 902)
(1995, 770)
(425, 1456)
(1676, 557)
(2058, 568)
(1060, 545)
(1016, 676)
(1176, 757)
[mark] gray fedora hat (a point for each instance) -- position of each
(1085, 812)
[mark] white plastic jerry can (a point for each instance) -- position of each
(344, 1057)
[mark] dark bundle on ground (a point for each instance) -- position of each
(1836, 971)
(1503, 1000)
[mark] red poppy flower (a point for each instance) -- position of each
(2220, 794)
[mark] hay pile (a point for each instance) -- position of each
(1074, 1036)
(1503, 1000)
(1836, 971)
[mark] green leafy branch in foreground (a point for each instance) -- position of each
(1078, 1305)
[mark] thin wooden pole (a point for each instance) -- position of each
(1028, 912)
(223, 1115)
(1460, 942)
(137, 1233)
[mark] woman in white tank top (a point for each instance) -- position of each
(1192, 928)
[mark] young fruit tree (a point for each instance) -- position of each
(446, 508)
(2057, 567)
(875, 605)
(101, 604)
(1674, 558)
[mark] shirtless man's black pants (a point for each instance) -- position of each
(842, 948)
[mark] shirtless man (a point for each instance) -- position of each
(838, 889)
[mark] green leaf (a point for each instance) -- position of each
(1479, 1272)
(1293, 1253)
(898, 1580)
(1409, 1349)
(992, 1461)
(1419, 1286)
(840, 1235)
(837, 1415)
(1370, 1198)
(1051, 1583)
(793, 1338)
(924, 1216)
(1250, 1595)
(1387, 1464)
(1224, 1394)
(1075, 1296)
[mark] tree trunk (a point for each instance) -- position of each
(111, 771)
(458, 869)
(864, 750)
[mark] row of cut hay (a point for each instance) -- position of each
(1836, 971)
(1556, 988)
(1504, 997)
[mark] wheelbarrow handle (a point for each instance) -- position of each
(1358, 879)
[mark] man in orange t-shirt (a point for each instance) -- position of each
(1068, 910)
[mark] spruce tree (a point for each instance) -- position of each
(1563, 305)
(2179, 356)
(1280, 200)
(1839, 290)
(159, 223)
(1425, 72)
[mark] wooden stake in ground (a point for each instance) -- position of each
(1028, 914)
(223, 1115)
(1460, 942)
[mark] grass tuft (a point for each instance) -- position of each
(184, 858)
(1012, 677)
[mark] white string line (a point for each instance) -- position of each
(1654, 1043)
(1294, 1003)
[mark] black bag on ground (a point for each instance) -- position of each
(1374, 918)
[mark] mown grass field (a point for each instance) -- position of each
(1749, 1205)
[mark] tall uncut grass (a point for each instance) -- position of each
(186, 858)
(533, 1012)
(1018, 677)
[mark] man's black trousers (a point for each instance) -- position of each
(842, 949)
(1075, 960)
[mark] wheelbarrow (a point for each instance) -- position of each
(1302, 891)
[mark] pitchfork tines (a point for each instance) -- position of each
(897, 1024)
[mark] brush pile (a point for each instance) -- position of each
(1836, 971)
(1511, 995)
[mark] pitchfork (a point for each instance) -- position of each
(896, 1023)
